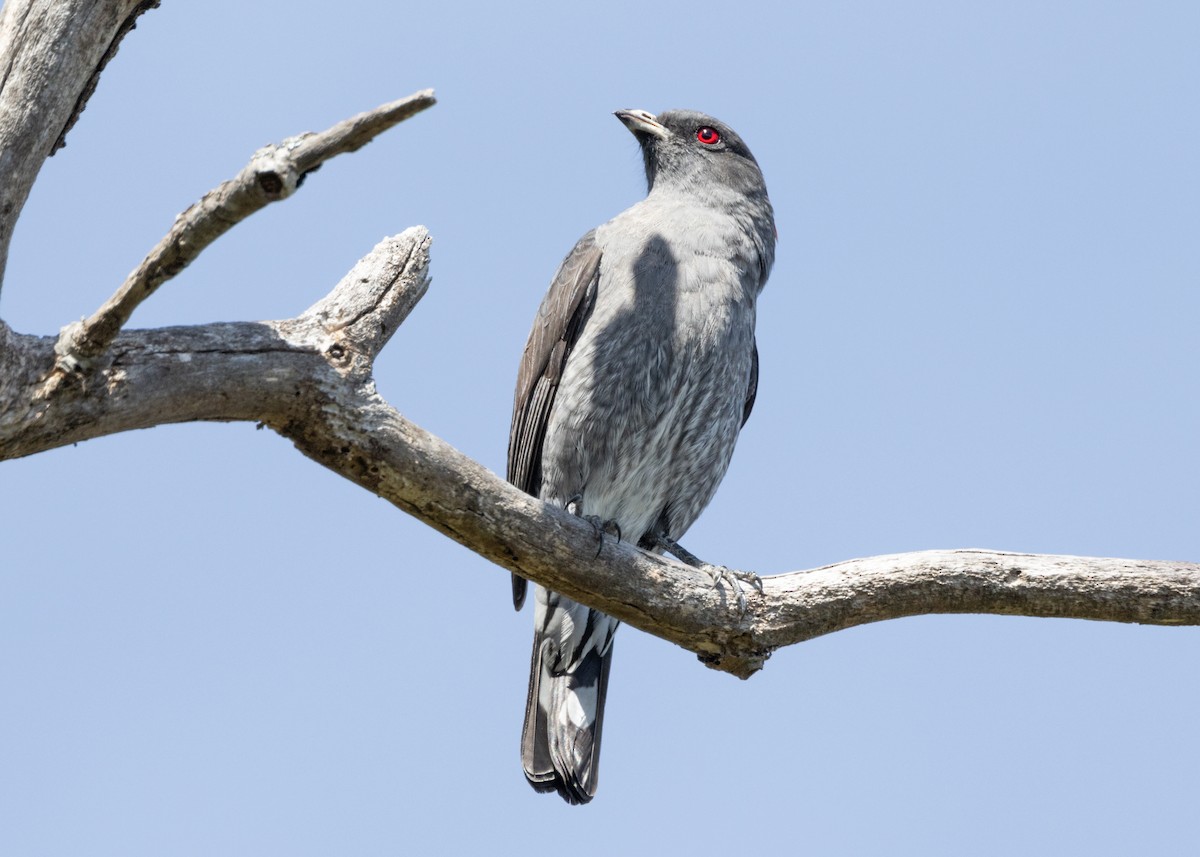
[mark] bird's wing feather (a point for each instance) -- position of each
(555, 332)
(753, 391)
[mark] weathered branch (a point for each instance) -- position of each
(309, 379)
(232, 371)
(51, 55)
(274, 173)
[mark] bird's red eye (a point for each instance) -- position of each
(708, 136)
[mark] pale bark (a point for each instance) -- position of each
(274, 173)
(51, 56)
(309, 378)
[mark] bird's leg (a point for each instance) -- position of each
(719, 573)
(575, 507)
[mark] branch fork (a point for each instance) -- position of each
(273, 173)
(309, 378)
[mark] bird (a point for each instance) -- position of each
(638, 374)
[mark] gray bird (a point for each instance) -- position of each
(639, 372)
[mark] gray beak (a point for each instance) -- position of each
(642, 122)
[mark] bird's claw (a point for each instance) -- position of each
(601, 526)
(750, 577)
(733, 579)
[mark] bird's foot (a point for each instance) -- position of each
(733, 578)
(601, 526)
(720, 574)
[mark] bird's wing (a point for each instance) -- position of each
(555, 331)
(753, 391)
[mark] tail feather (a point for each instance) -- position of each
(564, 712)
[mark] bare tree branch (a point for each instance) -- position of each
(274, 173)
(309, 378)
(51, 56)
(180, 374)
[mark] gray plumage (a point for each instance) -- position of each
(638, 374)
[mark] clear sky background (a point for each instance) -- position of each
(981, 331)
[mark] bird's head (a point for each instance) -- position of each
(687, 150)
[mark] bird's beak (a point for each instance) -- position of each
(642, 122)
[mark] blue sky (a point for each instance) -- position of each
(981, 331)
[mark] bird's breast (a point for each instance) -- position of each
(651, 399)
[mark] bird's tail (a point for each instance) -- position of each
(564, 712)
